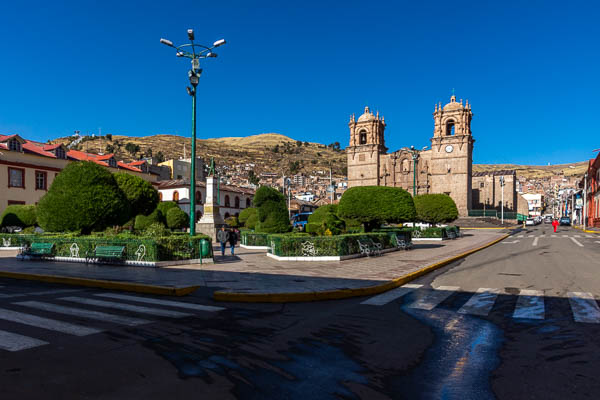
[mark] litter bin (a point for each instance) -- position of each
(204, 248)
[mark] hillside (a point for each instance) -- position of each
(270, 152)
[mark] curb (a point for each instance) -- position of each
(584, 230)
(343, 293)
(103, 284)
(500, 227)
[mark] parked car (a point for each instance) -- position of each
(564, 221)
(538, 220)
(299, 220)
(547, 219)
(530, 221)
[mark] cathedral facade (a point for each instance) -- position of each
(443, 167)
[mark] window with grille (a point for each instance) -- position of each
(16, 177)
(14, 145)
(40, 180)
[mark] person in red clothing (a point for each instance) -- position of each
(554, 224)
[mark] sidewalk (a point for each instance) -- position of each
(251, 274)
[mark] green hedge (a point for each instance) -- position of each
(435, 232)
(167, 248)
(340, 245)
(251, 238)
(19, 215)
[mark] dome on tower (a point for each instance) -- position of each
(453, 105)
(367, 116)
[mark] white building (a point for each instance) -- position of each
(307, 196)
(535, 202)
(232, 200)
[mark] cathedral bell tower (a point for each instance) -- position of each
(452, 152)
(367, 145)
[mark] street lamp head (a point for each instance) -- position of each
(166, 42)
(190, 34)
(412, 147)
(211, 54)
(424, 148)
(179, 54)
(219, 42)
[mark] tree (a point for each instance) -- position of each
(110, 149)
(306, 144)
(160, 157)
(109, 136)
(83, 197)
(249, 217)
(253, 179)
(324, 220)
(294, 167)
(132, 148)
(435, 208)
(233, 221)
(177, 218)
(141, 195)
(165, 206)
(143, 222)
(275, 149)
(19, 215)
(273, 215)
(374, 205)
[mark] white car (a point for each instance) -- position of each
(529, 221)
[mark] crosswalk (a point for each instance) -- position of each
(529, 305)
(542, 238)
(86, 308)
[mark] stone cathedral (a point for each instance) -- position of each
(444, 167)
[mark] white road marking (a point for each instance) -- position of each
(513, 242)
(520, 236)
(535, 241)
(531, 236)
(553, 236)
(78, 312)
(589, 236)
(46, 323)
(530, 304)
(13, 342)
(566, 236)
(128, 307)
(597, 241)
(577, 236)
(391, 295)
(180, 304)
(584, 307)
(576, 242)
(56, 291)
(481, 302)
(434, 297)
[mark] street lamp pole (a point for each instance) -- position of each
(415, 157)
(194, 52)
(585, 201)
(502, 209)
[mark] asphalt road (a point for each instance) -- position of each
(498, 324)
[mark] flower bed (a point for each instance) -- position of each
(141, 249)
(324, 246)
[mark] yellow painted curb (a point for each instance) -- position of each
(585, 230)
(103, 284)
(343, 293)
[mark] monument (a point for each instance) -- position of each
(211, 220)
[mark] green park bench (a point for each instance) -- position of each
(106, 253)
(403, 241)
(368, 247)
(39, 250)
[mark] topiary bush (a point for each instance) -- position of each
(142, 222)
(324, 221)
(273, 216)
(374, 205)
(233, 221)
(435, 208)
(249, 217)
(83, 197)
(177, 218)
(140, 194)
(19, 215)
(156, 229)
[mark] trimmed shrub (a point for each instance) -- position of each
(273, 214)
(156, 229)
(324, 221)
(165, 206)
(374, 205)
(233, 221)
(340, 245)
(83, 197)
(435, 208)
(19, 215)
(177, 218)
(249, 217)
(142, 222)
(140, 194)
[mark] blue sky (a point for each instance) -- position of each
(530, 70)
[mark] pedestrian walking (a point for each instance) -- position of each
(223, 238)
(554, 224)
(233, 240)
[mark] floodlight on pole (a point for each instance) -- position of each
(194, 52)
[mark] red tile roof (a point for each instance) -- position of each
(49, 147)
(140, 162)
(125, 166)
(4, 138)
(34, 148)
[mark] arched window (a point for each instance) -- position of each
(237, 202)
(362, 137)
(159, 196)
(247, 203)
(227, 203)
(176, 196)
(450, 128)
(198, 197)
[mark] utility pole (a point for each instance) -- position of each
(584, 201)
(502, 209)
(330, 187)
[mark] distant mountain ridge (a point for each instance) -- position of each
(270, 152)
